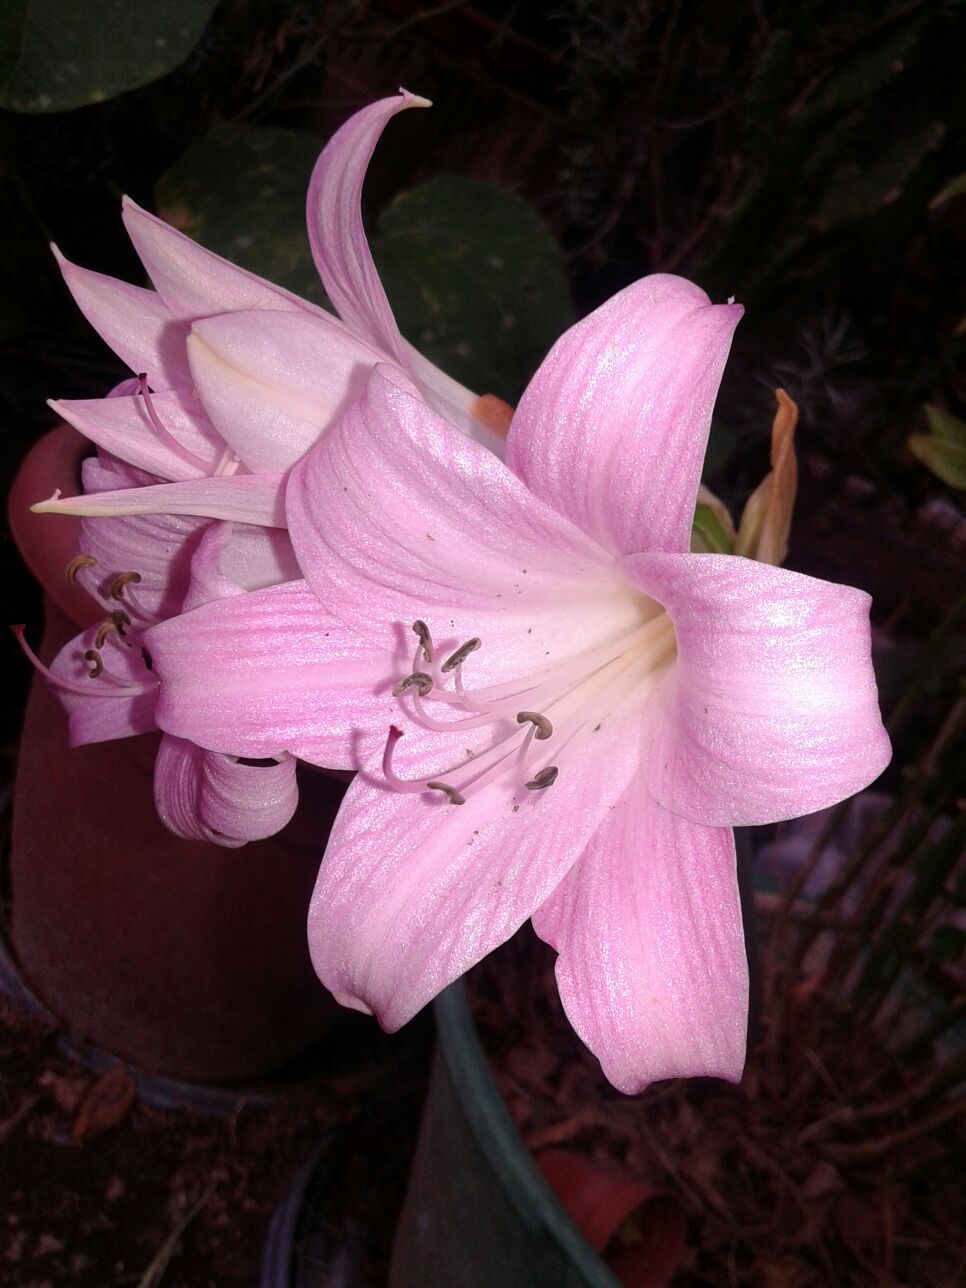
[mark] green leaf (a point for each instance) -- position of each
(943, 449)
(707, 533)
(955, 188)
(946, 460)
(240, 191)
(60, 54)
(945, 427)
(476, 281)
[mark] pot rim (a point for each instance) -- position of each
(497, 1136)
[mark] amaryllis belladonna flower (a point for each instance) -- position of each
(561, 711)
(236, 378)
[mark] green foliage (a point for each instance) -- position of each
(943, 448)
(60, 54)
(240, 191)
(476, 281)
(708, 535)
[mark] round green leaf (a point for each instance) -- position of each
(475, 280)
(59, 54)
(240, 191)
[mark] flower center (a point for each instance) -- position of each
(537, 723)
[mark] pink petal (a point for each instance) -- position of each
(336, 234)
(158, 547)
(108, 712)
(232, 558)
(194, 282)
(273, 382)
(270, 671)
(394, 516)
(134, 322)
(612, 429)
(652, 970)
(247, 498)
(120, 425)
(413, 890)
(771, 710)
(201, 795)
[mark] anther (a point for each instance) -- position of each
(97, 663)
(147, 659)
(454, 796)
(120, 620)
(76, 564)
(546, 778)
(102, 632)
(421, 631)
(462, 653)
(116, 589)
(541, 725)
(419, 681)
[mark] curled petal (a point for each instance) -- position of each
(612, 429)
(336, 235)
(771, 709)
(273, 382)
(205, 796)
(245, 498)
(194, 282)
(413, 890)
(135, 323)
(652, 970)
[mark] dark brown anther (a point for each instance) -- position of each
(96, 661)
(455, 798)
(76, 564)
(462, 653)
(120, 620)
(419, 681)
(147, 659)
(102, 632)
(116, 590)
(421, 631)
(541, 725)
(546, 778)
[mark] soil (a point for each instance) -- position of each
(99, 1187)
(773, 1194)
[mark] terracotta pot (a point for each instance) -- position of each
(185, 958)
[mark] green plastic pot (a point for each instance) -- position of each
(478, 1213)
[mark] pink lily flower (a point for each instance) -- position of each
(574, 711)
(239, 378)
(236, 379)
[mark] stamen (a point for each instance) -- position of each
(454, 796)
(116, 588)
(120, 620)
(91, 655)
(543, 729)
(462, 653)
(76, 564)
(421, 631)
(102, 632)
(73, 686)
(419, 681)
(546, 778)
(164, 434)
(147, 659)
